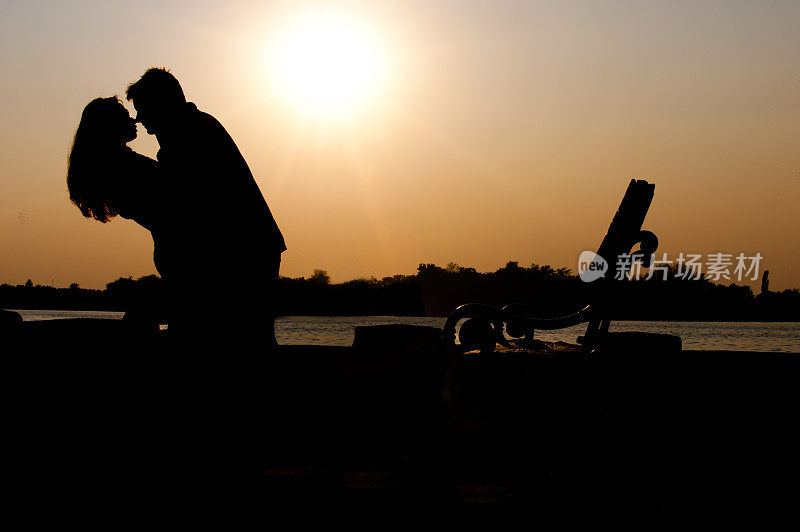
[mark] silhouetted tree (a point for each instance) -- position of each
(320, 277)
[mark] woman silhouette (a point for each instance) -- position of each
(106, 178)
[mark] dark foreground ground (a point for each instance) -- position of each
(398, 432)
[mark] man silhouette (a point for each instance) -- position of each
(219, 252)
(222, 248)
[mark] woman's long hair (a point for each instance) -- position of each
(90, 160)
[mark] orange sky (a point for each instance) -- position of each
(500, 130)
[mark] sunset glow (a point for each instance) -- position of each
(388, 134)
(327, 66)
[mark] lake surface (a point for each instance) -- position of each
(339, 330)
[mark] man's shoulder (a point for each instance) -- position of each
(203, 121)
(198, 132)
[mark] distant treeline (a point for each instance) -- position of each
(437, 291)
(556, 292)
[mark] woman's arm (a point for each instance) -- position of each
(136, 190)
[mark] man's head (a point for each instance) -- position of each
(157, 98)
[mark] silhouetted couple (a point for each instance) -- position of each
(218, 248)
(215, 241)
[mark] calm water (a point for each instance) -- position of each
(339, 330)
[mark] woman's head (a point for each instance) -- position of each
(105, 127)
(105, 122)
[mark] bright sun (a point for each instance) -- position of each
(328, 67)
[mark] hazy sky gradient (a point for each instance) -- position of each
(505, 130)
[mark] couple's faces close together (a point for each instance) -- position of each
(127, 124)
